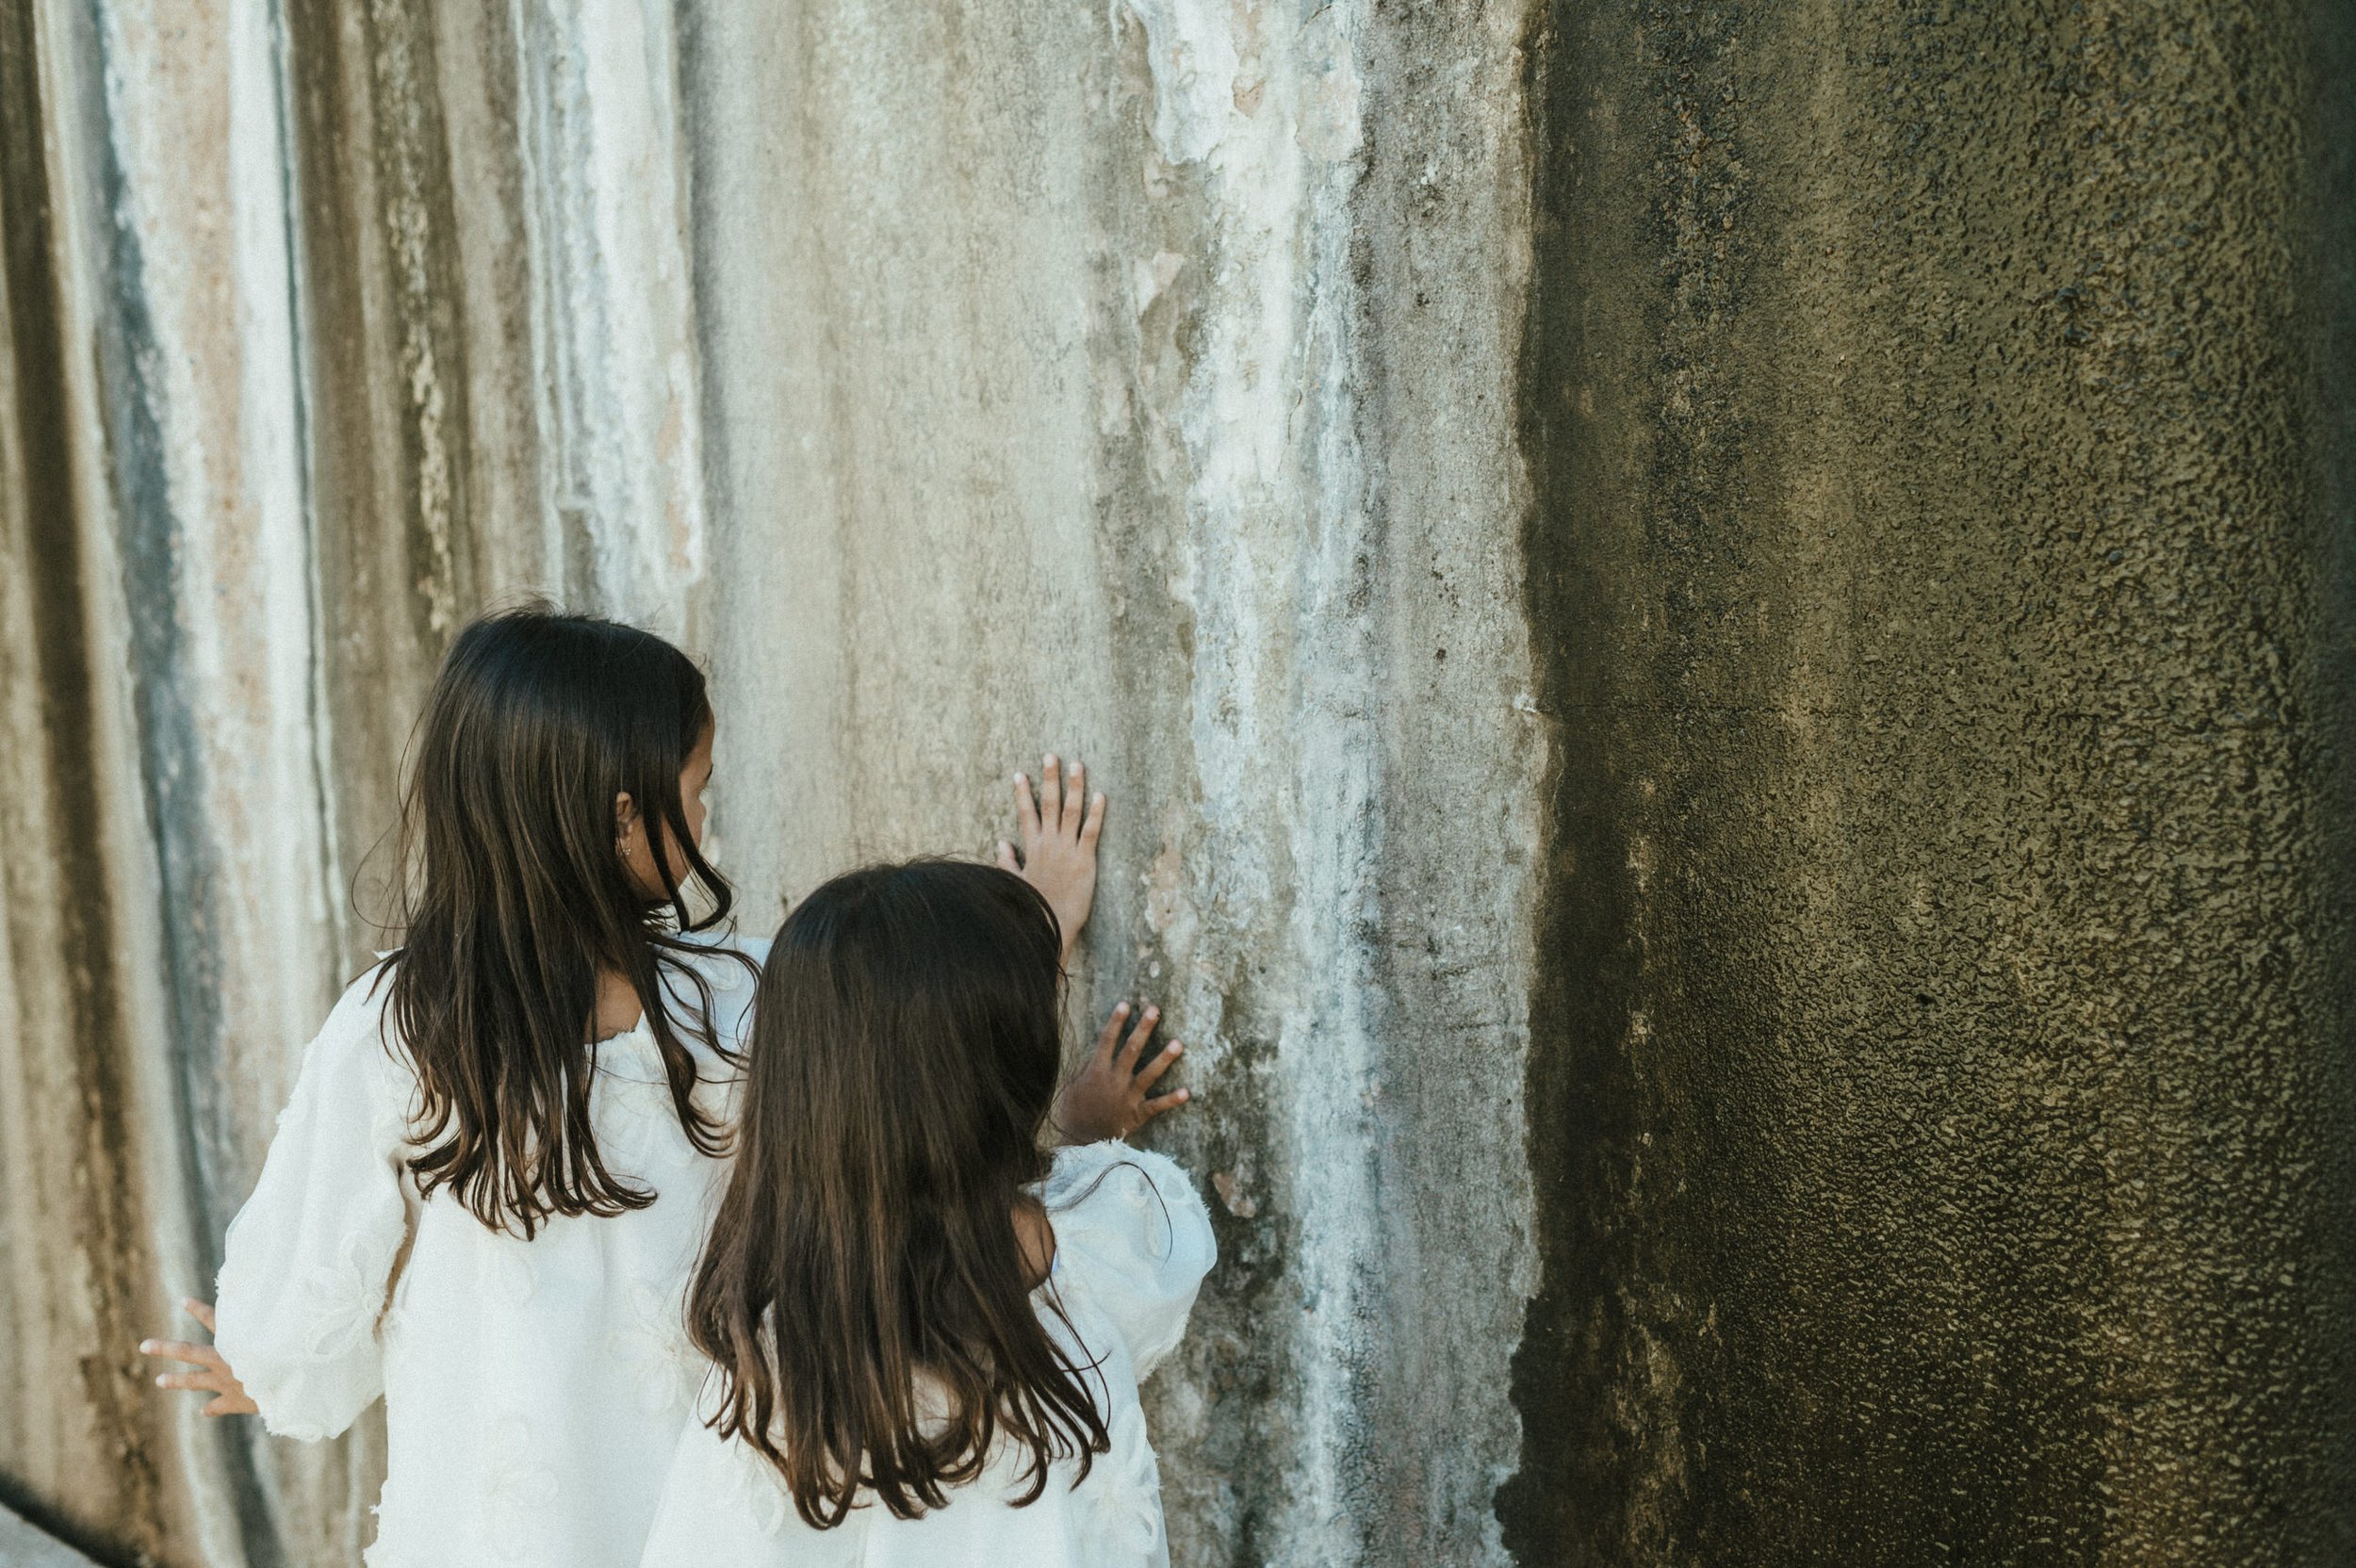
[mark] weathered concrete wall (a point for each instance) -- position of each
(1772, 585)
(959, 383)
(1938, 427)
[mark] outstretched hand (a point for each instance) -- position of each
(1059, 830)
(212, 1374)
(1113, 1095)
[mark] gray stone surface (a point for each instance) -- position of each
(1721, 635)
(23, 1546)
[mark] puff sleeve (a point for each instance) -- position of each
(310, 1257)
(1132, 1232)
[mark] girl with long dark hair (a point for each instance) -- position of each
(484, 1197)
(926, 1336)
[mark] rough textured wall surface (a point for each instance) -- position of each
(1722, 636)
(1943, 1103)
(957, 382)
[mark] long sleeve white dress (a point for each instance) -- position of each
(1133, 1242)
(534, 1390)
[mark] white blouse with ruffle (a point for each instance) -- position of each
(1133, 1242)
(534, 1390)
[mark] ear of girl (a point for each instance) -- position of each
(915, 1316)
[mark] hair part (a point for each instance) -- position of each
(514, 897)
(863, 1293)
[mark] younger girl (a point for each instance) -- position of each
(485, 1195)
(927, 1336)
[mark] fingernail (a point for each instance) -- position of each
(159, 1381)
(1173, 1049)
(1152, 1012)
(1123, 1009)
(147, 1347)
(1185, 1094)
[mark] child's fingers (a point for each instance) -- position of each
(1108, 1037)
(1126, 1061)
(1151, 1073)
(1006, 858)
(173, 1349)
(1095, 823)
(215, 1379)
(201, 1312)
(1159, 1104)
(1075, 798)
(1026, 810)
(1049, 793)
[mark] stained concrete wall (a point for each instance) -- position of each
(1720, 635)
(1939, 423)
(957, 382)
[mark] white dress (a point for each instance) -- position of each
(1131, 1245)
(534, 1390)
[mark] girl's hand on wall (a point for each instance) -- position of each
(1059, 842)
(1112, 1096)
(212, 1374)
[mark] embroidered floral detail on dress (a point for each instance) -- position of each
(516, 1491)
(1124, 1505)
(653, 1349)
(343, 1297)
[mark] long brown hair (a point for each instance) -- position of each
(514, 897)
(863, 1292)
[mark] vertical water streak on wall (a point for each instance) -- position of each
(1274, 574)
(898, 422)
(1440, 258)
(126, 1472)
(417, 379)
(614, 311)
(77, 1443)
(217, 581)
